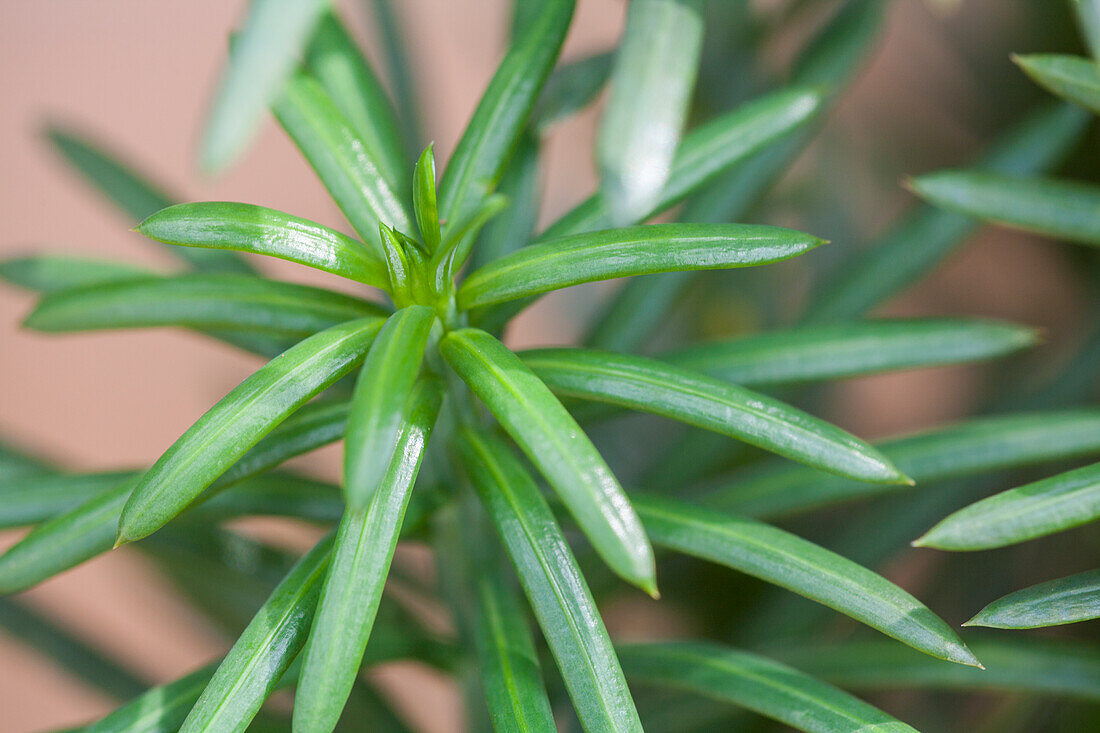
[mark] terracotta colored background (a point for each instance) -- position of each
(137, 75)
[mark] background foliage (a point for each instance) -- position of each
(1024, 431)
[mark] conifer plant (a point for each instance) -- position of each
(500, 460)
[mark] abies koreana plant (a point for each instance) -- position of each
(452, 438)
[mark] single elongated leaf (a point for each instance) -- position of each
(51, 273)
(264, 55)
(895, 519)
(64, 541)
(1056, 602)
(262, 654)
(1044, 507)
(1032, 666)
(315, 425)
(555, 443)
(810, 570)
(756, 683)
(38, 497)
(651, 86)
(650, 385)
(259, 230)
(613, 253)
(132, 194)
(816, 353)
(128, 190)
(1055, 207)
(923, 238)
(424, 199)
(160, 709)
(707, 151)
(490, 137)
(336, 61)
(56, 273)
(401, 276)
(978, 446)
(361, 559)
(553, 583)
(392, 39)
(570, 88)
(508, 662)
(342, 162)
(67, 651)
(68, 539)
(199, 301)
(1072, 78)
(512, 228)
(839, 50)
(380, 401)
(236, 423)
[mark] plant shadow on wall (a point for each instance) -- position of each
(490, 456)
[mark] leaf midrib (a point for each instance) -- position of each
(227, 424)
(691, 391)
(545, 428)
(467, 171)
(335, 139)
(303, 590)
(1012, 508)
(840, 580)
(1056, 72)
(522, 519)
(312, 301)
(765, 680)
(496, 628)
(552, 250)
